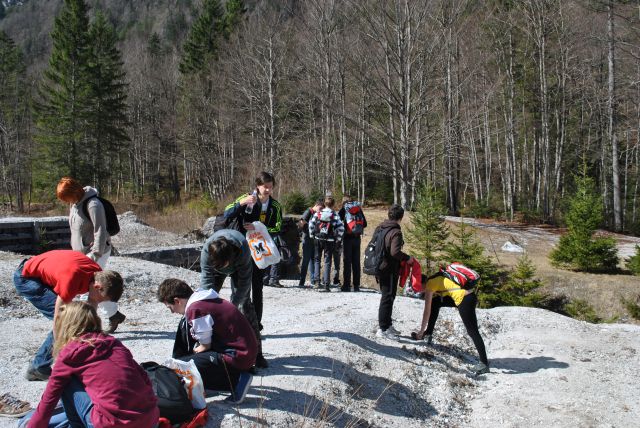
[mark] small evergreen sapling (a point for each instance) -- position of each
(429, 232)
(579, 249)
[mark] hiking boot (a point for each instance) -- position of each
(356, 288)
(240, 390)
(13, 407)
(115, 320)
(261, 362)
(317, 286)
(480, 368)
(386, 334)
(33, 374)
(326, 288)
(345, 289)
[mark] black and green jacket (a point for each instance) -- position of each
(273, 219)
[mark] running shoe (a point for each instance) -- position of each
(13, 407)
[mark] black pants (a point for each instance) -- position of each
(467, 310)
(215, 373)
(351, 251)
(257, 283)
(388, 282)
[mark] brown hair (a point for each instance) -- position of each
(329, 202)
(69, 190)
(73, 320)
(112, 284)
(173, 288)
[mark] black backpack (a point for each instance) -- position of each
(113, 226)
(375, 252)
(221, 222)
(173, 400)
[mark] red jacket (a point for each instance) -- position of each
(414, 271)
(119, 388)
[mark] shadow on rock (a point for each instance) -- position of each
(390, 397)
(526, 365)
(366, 344)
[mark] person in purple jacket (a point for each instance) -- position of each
(214, 334)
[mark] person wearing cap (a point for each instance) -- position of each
(56, 277)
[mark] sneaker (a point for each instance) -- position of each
(427, 337)
(356, 288)
(114, 321)
(276, 284)
(13, 407)
(326, 288)
(261, 362)
(386, 334)
(33, 374)
(480, 368)
(345, 289)
(317, 286)
(393, 331)
(240, 390)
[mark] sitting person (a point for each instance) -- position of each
(50, 279)
(95, 375)
(449, 294)
(214, 334)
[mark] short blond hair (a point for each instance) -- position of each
(74, 319)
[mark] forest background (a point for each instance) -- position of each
(496, 104)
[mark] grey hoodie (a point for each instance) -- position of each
(89, 235)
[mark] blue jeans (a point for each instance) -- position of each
(76, 410)
(44, 299)
(307, 260)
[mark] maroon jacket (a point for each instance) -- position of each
(214, 320)
(119, 388)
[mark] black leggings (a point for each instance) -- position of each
(467, 310)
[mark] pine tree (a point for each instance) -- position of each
(428, 233)
(64, 97)
(14, 122)
(579, 249)
(202, 43)
(233, 12)
(107, 116)
(519, 289)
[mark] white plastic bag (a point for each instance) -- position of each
(189, 373)
(263, 250)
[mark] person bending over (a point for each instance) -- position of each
(227, 253)
(214, 334)
(441, 291)
(50, 279)
(96, 377)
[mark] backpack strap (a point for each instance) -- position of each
(85, 210)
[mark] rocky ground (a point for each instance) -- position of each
(327, 368)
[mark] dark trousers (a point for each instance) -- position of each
(323, 248)
(351, 251)
(388, 282)
(337, 255)
(215, 373)
(307, 259)
(467, 310)
(257, 283)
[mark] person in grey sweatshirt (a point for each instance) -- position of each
(88, 228)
